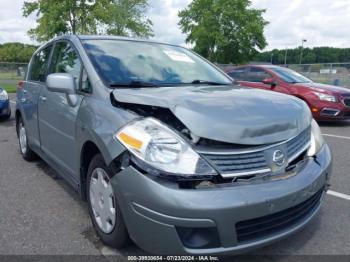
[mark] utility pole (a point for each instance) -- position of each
(271, 57)
(301, 50)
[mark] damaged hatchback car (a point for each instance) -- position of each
(167, 151)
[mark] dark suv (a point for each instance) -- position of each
(326, 102)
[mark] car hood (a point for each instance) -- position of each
(323, 87)
(227, 113)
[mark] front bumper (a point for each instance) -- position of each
(329, 111)
(5, 108)
(156, 213)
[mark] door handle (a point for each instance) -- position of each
(43, 99)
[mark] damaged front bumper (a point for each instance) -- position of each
(163, 219)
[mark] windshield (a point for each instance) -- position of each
(290, 76)
(123, 61)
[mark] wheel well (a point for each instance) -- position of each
(88, 152)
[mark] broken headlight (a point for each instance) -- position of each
(163, 149)
(317, 140)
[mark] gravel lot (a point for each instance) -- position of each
(40, 214)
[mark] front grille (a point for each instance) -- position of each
(257, 228)
(241, 163)
(347, 101)
(297, 144)
(254, 163)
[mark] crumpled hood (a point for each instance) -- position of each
(329, 88)
(227, 113)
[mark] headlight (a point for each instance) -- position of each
(317, 140)
(326, 97)
(162, 149)
(3, 95)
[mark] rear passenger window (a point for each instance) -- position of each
(66, 60)
(39, 64)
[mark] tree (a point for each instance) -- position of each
(16, 52)
(310, 55)
(58, 17)
(224, 31)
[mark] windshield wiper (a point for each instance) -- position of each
(134, 83)
(204, 82)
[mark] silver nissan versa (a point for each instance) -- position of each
(167, 151)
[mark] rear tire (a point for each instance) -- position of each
(103, 206)
(26, 152)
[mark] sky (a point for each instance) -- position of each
(321, 22)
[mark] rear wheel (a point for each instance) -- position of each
(103, 205)
(25, 150)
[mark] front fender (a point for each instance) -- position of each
(98, 121)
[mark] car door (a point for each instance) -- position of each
(57, 119)
(28, 94)
(254, 78)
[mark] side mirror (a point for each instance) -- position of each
(61, 83)
(270, 81)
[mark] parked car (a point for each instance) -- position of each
(5, 109)
(326, 102)
(167, 150)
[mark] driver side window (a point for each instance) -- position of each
(66, 60)
(257, 75)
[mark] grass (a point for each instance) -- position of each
(10, 88)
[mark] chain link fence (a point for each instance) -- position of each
(335, 74)
(10, 74)
(331, 73)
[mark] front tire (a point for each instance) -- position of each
(26, 152)
(103, 206)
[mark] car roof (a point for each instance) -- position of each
(266, 66)
(106, 37)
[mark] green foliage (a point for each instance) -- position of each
(224, 31)
(126, 18)
(310, 55)
(10, 88)
(58, 17)
(16, 52)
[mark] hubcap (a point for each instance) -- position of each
(22, 138)
(102, 200)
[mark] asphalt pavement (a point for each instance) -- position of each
(40, 214)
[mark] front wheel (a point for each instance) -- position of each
(103, 206)
(25, 150)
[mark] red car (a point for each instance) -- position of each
(326, 102)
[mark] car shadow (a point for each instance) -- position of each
(7, 122)
(341, 123)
